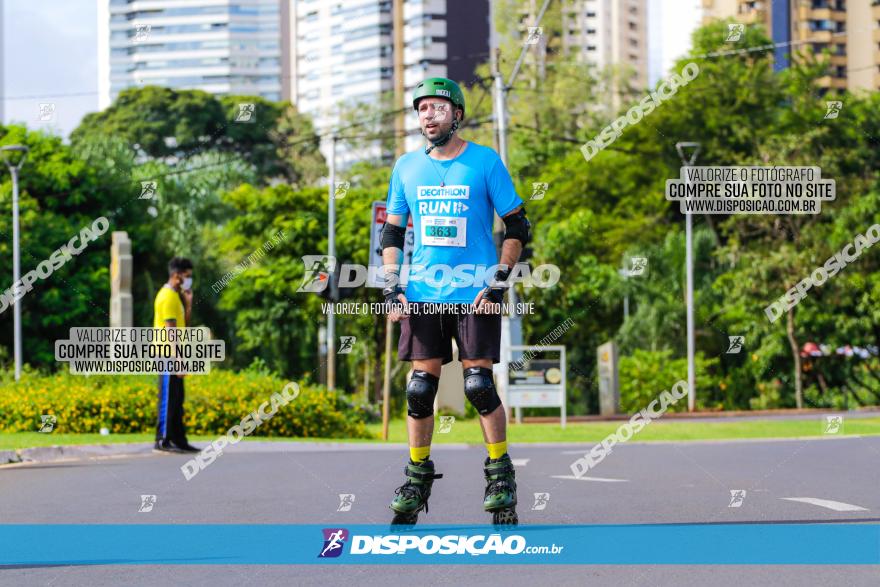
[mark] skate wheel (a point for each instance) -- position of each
(506, 517)
(404, 519)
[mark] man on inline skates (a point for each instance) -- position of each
(451, 188)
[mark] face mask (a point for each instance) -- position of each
(187, 283)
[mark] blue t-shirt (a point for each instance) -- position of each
(452, 223)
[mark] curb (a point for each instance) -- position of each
(48, 454)
(729, 416)
(44, 454)
(9, 456)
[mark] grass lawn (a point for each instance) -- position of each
(468, 431)
(16, 440)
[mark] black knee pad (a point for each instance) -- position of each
(420, 393)
(479, 387)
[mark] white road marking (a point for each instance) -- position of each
(717, 441)
(520, 462)
(585, 478)
(837, 506)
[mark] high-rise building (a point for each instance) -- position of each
(863, 45)
(341, 54)
(848, 29)
(608, 32)
(442, 38)
(603, 33)
(718, 9)
(219, 46)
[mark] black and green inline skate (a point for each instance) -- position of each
(500, 497)
(412, 497)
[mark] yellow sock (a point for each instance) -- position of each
(497, 450)
(419, 453)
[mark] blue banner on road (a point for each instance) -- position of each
(678, 544)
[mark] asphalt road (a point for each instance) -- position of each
(829, 479)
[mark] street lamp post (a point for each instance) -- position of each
(14, 167)
(331, 245)
(689, 271)
(624, 272)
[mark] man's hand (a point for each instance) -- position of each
(398, 310)
(395, 301)
(489, 300)
(187, 297)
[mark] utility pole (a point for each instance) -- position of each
(14, 167)
(331, 245)
(689, 273)
(399, 118)
(511, 329)
(399, 150)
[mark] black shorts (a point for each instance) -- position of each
(427, 334)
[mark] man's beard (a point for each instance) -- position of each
(439, 130)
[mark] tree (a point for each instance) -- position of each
(195, 147)
(770, 254)
(159, 122)
(177, 125)
(298, 148)
(60, 194)
(270, 318)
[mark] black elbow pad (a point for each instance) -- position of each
(517, 226)
(392, 236)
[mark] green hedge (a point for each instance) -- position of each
(644, 374)
(213, 403)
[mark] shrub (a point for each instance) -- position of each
(213, 403)
(644, 374)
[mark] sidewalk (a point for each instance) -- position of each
(527, 435)
(45, 454)
(727, 416)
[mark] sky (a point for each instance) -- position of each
(670, 24)
(49, 48)
(50, 55)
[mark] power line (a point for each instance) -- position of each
(146, 82)
(38, 96)
(774, 45)
(477, 80)
(227, 161)
(380, 116)
(544, 134)
(121, 179)
(394, 134)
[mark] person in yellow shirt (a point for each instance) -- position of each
(173, 309)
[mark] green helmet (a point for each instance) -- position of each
(439, 87)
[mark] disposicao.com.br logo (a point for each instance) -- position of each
(449, 544)
(334, 540)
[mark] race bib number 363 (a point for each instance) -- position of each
(444, 231)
